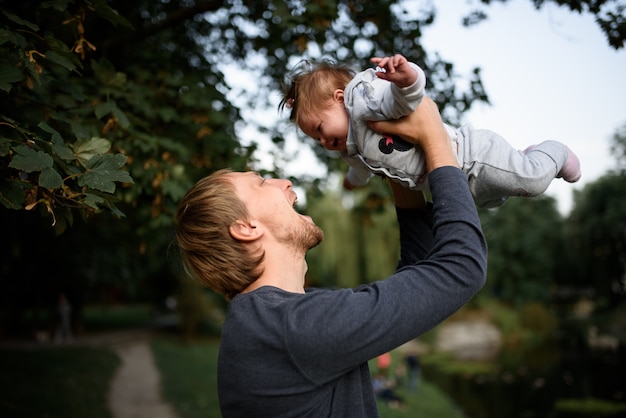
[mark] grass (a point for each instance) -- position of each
(105, 318)
(56, 382)
(73, 382)
(189, 378)
(428, 401)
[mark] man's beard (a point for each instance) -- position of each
(313, 236)
(303, 236)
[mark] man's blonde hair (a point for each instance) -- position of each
(311, 86)
(209, 253)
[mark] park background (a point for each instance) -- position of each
(112, 110)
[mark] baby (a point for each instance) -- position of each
(332, 104)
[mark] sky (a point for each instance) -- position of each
(549, 74)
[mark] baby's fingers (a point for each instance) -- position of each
(385, 63)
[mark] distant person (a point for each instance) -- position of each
(290, 351)
(384, 389)
(413, 367)
(332, 104)
(63, 331)
(383, 362)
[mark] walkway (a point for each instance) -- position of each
(135, 390)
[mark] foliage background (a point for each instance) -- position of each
(111, 110)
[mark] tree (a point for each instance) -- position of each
(525, 238)
(114, 108)
(361, 240)
(74, 125)
(101, 95)
(618, 148)
(117, 107)
(106, 94)
(597, 232)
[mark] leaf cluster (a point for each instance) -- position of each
(78, 136)
(52, 152)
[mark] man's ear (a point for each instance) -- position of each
(244, 231)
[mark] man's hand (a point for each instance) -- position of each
(424, 128)
(396, 69)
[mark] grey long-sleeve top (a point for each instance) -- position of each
(305, 355)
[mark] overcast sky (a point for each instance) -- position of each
(549, 74)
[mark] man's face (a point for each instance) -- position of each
(270, 202)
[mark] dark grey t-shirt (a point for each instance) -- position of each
(305, 355)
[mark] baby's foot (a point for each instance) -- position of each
(570, 172)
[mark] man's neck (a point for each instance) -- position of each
(282, 268)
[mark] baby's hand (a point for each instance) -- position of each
(347, 184)
(396, 69)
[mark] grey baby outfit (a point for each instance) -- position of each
(495, 170)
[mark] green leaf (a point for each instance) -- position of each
(13, 37)
(174, 189)
(8, 75)
(105, 11)
(62, 150)
(50, 179)
(85, 150)
(121, 117)
(29, 160)
(103, 171)
(168, 114)
(60, 5)
(12, 193)
(106, 74)
(61, 60)
(103, 109)
(16, 19)
(5, 146)
(79, 130)
(93, 200)
(58, 145)
(110, 107)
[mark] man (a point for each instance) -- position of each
(287, 351)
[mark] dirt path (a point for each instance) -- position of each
(135, 390)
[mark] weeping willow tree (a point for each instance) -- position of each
(361, 241)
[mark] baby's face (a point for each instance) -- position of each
(329, 127)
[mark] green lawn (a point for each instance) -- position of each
(55, 382)
(73, 382)
(116, 317)
(189, 376)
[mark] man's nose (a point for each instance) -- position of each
(282, 183)
(288, 184)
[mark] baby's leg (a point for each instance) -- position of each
(569, 171)
(497, 171)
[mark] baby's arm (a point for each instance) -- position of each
(357, 176)
(397, 70)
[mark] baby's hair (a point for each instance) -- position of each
(311, 85)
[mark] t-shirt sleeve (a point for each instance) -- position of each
(330, 332)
